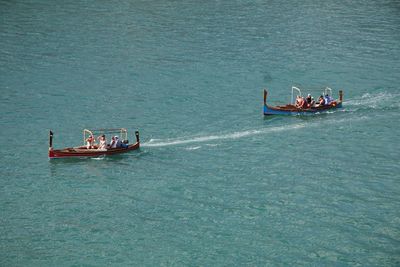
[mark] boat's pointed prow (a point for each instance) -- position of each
(265, 96)
(51, 144)
(50, 139)
(137, 137)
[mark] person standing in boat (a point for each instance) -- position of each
(102, 142)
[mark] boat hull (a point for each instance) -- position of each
(83, 152)
(291, 110)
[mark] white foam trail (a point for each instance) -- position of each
(235, 135)
(98, 158)
(374, 100)
(212, 145)
(193, 148)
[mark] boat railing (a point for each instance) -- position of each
(294, 88)
(327, 91)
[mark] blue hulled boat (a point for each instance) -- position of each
(294, 109)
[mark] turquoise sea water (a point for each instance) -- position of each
(215, 183)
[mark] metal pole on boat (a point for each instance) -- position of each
(51, 140)
(137, 136)
(341, 95)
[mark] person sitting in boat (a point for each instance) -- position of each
(328, 99)
(310, 101)
(90, 142)
(300, 102)
(321, 101)
(122, 143)
(119, 143)
(102, 142)
(115, 143)
(297, 103)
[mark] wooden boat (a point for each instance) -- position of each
(93, 151)
(291, 109)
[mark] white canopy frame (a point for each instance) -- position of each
(294, 88)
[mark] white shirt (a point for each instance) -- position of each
(113, 144)
(102, 144)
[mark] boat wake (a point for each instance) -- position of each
(228, 136)
(374, 101)
(241, 134)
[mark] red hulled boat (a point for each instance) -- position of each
(91, 149)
